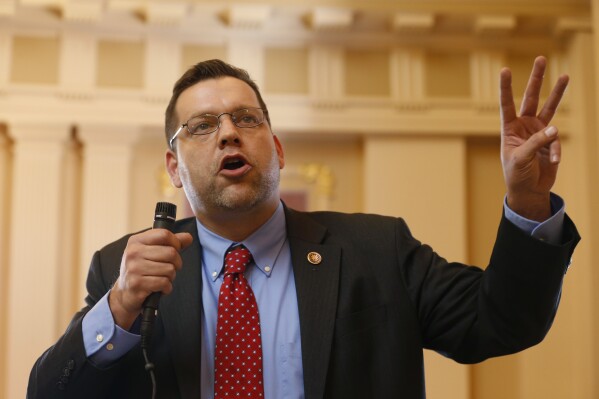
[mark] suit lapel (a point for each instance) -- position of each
(317, 288)
(181, 312)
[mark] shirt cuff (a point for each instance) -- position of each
(104, 341)
(549, 230)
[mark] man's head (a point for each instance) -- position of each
(235, 169)
(205, 70)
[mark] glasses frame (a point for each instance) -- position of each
(186, 124)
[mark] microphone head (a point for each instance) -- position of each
(165, 210)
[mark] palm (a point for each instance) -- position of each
(538, 171)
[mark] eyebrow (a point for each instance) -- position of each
(195, 114)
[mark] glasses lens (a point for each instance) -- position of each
(203, 124)
(249, 117)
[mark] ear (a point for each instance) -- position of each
(172, 167)
(280, 152)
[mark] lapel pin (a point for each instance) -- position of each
(314, 258)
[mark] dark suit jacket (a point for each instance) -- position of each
(378, 297)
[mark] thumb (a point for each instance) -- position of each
(185, 239)
(537, 141)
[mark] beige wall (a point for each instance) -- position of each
(392, 106)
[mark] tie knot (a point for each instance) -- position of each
(237, 259)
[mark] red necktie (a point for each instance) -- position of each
(238, 351)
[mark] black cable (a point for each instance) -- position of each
(150, 368)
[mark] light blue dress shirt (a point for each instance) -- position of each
(271, 279)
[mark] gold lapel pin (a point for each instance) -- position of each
(314, 258)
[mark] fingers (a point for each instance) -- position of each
(185, 240)
(144, 267)
(161, 237)
(547, 140)
(555, 152)
(506, 96)
(149, 264)
(129, 293)
(530, 101)
(155, 250)
(554, 99)
(151, 254)
(140, 286)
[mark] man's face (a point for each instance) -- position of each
(234, 169)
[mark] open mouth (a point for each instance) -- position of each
(233, 164)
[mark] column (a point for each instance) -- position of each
(69, 300)
(107, 156)
(5, 211)
(77, 72)
(162, 66)
(423, 180)
(35, 248)
(407, 77)
(326, 75)
(243, 50)
(248, 55)
(5, 57)
(485, 77)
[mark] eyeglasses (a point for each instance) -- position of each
(203, 125)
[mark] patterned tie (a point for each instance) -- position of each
(238, 352)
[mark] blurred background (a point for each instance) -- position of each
(382, 106)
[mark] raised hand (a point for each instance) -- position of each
(530, 147)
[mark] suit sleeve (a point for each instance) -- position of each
(64, 371)
(469, 314)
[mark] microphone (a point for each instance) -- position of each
(164, 218)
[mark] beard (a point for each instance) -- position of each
(239, 197)
(254, 193)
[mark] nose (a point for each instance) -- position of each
(228, 133)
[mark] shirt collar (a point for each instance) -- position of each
(264, 244)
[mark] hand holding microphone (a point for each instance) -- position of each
(149, 265)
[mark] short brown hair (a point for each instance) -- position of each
(210, 69)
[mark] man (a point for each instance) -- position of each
(346, 302)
